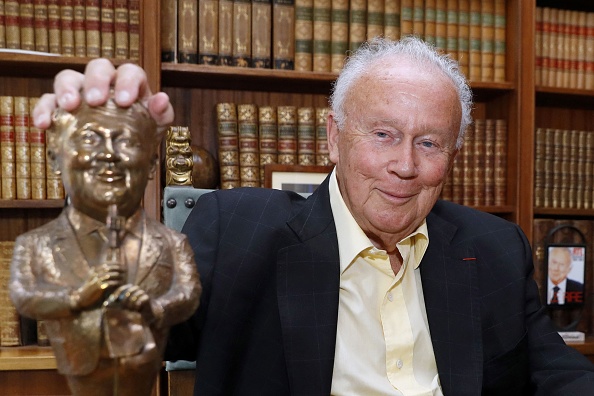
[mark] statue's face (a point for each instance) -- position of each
(106, 157)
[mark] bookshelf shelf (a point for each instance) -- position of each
(27, 358)
(29, 203)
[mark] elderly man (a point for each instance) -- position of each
(372, 285)
(107, 281)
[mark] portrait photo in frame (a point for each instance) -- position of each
(299, 178)
(565, 274)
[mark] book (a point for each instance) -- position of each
(287, 135)
(7, 148)
(79, 28)
(474, 42)
(249, 160)
(392, 19)
(22, 147)
(499, 47)
(418, 18)
(375, 18)
(225, 57)
(93, 28)
(467, 153)
(441, 25)
(306, 136)
(487, 39)
(581, 178)
(357, 23)
(322, 153)
(27, 25)
(10, 328)
(267, 138)
(208, 32)
(37, 153)
(262, 34)
(120, 29)
(538, 53)
(11, 22)
(452, 29)
(589, 64)
(322, 34)
(242, 33)
(228, 145)
(187, 51)
(464, 36)
(304, 35)
(107, 29)
(500, 162)
(169, 31)
(429, 29)
(489, 162)
(457, 175)
(539, 167)
(406, 17)
(133, 30)
(283, 34)
(339, 37)
(2, 26)
(478, 163)
(66, 28)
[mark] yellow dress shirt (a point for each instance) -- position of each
(383, 346)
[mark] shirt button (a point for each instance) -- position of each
(399, 363)
(390, 297)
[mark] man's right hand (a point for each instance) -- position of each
(107, 276)
(128, 80)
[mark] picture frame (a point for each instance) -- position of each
(302, 179)
(565, 275)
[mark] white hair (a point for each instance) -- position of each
(411, 47)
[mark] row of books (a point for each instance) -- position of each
(315, 35)
(479, 174)
(26, 172)
(85, 28)
(564, 48)
(563, 168)
(250, 137)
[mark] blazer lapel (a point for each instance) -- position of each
(68, 257)
(150, 250)
(308, 283)
(450, 288)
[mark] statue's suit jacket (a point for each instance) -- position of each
(48, 265)
(269, 265)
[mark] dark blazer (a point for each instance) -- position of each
(266, 324)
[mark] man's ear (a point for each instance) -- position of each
(332, 134)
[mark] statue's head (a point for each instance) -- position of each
(105, 154)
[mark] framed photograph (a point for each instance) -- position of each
(565, 275)
(298, 178)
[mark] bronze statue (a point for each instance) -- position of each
(107, 280)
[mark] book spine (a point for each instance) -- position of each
(375, 18)
(79, 28)
(7, 148)
(120, 29)
(589, 171)
(554, 38)
(538, 47)
(392, 19)
(418, 18)
(564, 49)
(27, 25)
(564, 173)
(268, 136)
(262, 34)
(406, 17)
(287, 135)
(430, 27)
(2, 25)
(572, 184)
(339, 41)
(11, 21)
(467, 153)
(169, 31)
(581, 169)
(489, 162)
(188, 31)
(557, 164)
(22, 147)
(306, 136)
(228, 145)
(478, 162)
(249, 161)
(304, 35)
(93, 28)
(37, 143)
(225, 33)
(464, 36)
(208, 31)
(134, 30)
(357, 23)
(242, 33)
(487, 39)
(10, 328)
(500, 47)
(539, 167)
(441, 25)
(458, 174)
(500, 162)
(452, 29)
(283, 34)
(581, 50)
(322, 34)
(322, 153)
(589, 67)
(66, 28)
(474, 68)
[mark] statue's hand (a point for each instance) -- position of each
(106, 276)
(133, 298)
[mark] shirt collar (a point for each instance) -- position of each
(85, 225)
(351, 238)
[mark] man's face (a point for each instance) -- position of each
(393, 156)
(105, 159)
(559, 265)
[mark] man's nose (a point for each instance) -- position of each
(402, 161)
(107, 153)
